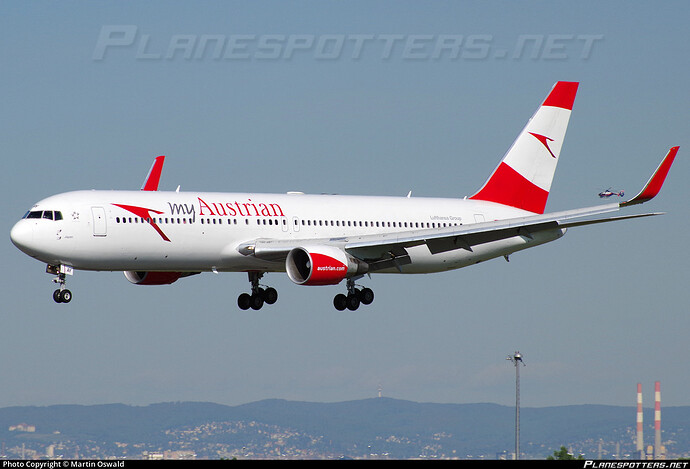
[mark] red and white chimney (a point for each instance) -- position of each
(640, 439)
(657, 420)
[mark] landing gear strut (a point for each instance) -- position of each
(259, 295)
(62, 294)
(354, 297)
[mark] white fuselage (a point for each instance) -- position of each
(197, 232)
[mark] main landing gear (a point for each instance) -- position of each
(259, 295)
(62, 294)
(355, 297)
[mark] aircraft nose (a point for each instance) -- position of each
(22, 235)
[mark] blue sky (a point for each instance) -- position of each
(594, 313)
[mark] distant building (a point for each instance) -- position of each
(23, 427)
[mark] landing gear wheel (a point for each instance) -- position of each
(352, 302)
(244, 301)
(257, 301)
(366, 296)
(56, 296)
(270, 295)
(65, 296)
(340, 302)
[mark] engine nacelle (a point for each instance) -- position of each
(322, 265)
(155, 278)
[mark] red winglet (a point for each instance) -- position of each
(562, 95)
(154, 176)
(653, 186)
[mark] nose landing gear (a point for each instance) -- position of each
(259, 295)
(355, 296)
(62, 294)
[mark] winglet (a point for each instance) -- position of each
(653, 186)
(154, 176)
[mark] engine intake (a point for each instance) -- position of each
(322, 265)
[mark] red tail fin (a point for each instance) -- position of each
(523, 178)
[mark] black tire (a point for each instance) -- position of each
(257, 302)
(340, 302)
(366, 296)
(244, 301)
(56, 296)
(352, 302)
(270, 295)
(65, 296)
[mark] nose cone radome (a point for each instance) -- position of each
(22, 235)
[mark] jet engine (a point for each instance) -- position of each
(322, 265)
(155, 278)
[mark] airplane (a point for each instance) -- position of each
(158, 237)
(610, 192)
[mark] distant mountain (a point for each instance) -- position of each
(382, 426)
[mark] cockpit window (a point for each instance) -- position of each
(45, 214)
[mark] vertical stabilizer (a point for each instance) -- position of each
(523, 178)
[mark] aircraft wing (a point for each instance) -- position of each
(386, 250)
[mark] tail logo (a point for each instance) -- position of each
(544, 141)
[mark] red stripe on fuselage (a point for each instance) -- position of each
(144, 214)
(507, 187)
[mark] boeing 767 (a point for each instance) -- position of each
(158, 237)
